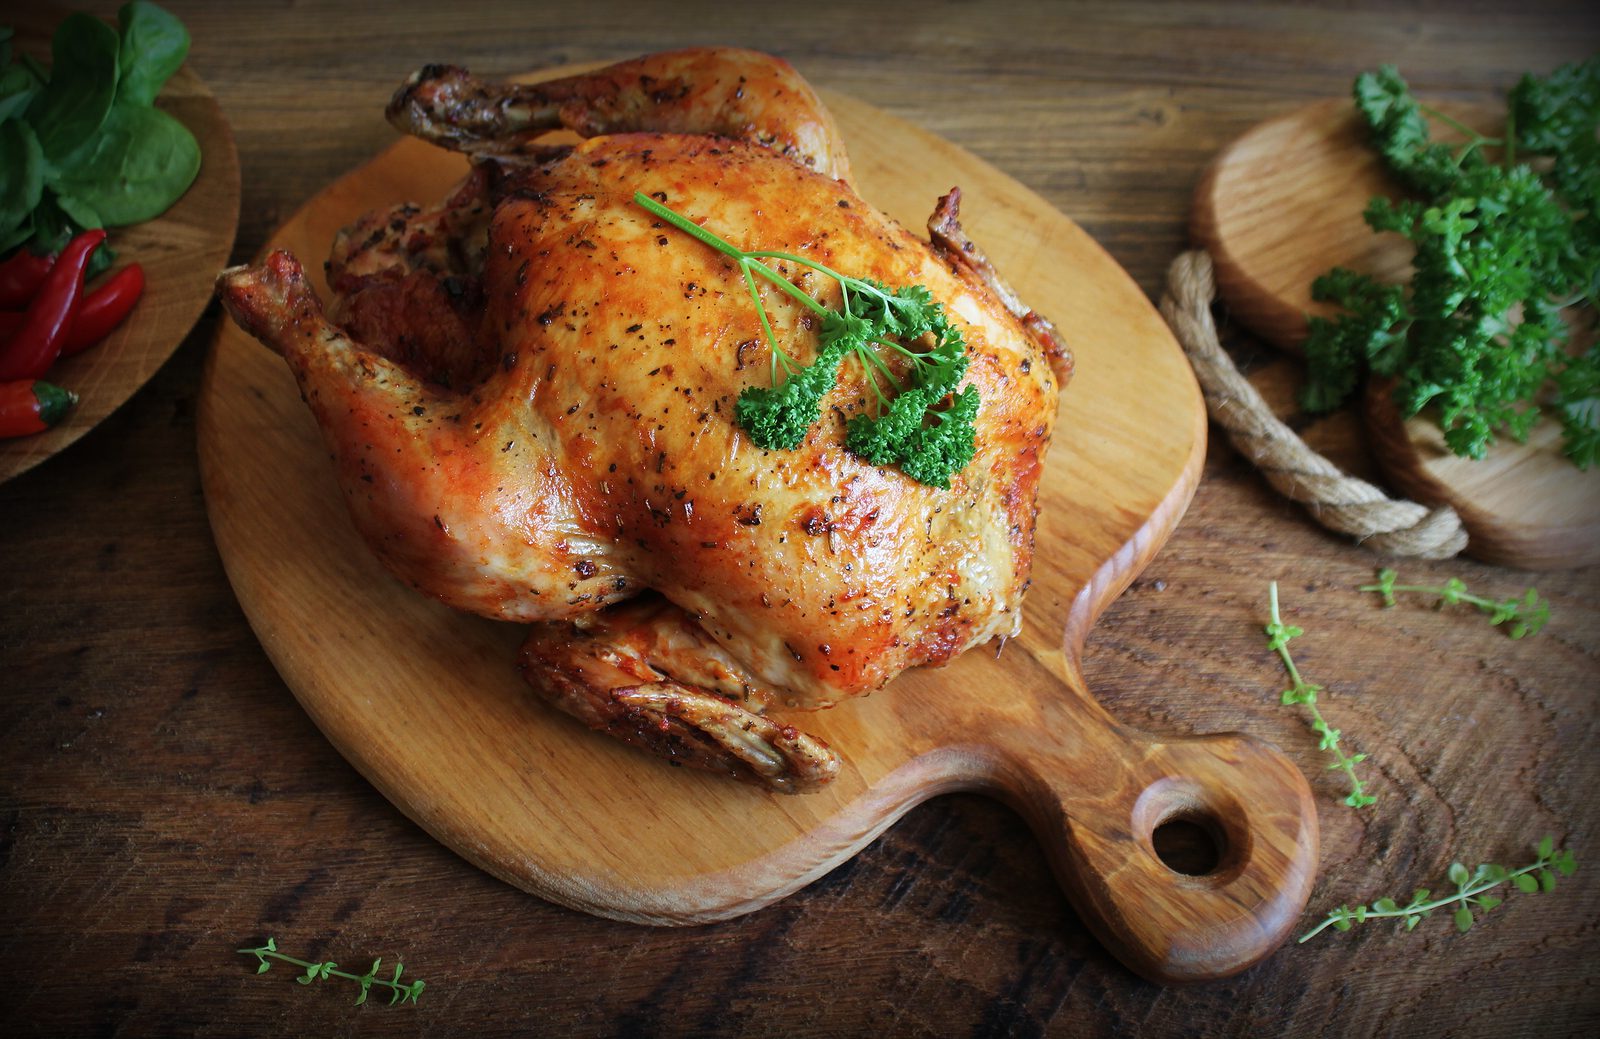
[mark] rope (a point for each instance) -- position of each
(1339, 502)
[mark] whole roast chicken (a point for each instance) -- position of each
(529, 393)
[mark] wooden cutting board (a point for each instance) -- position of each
(1282, 205)
(427, 703)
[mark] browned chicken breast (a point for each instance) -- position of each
(529, 394)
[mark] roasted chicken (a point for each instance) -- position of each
(528, 391)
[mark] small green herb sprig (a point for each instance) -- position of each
(1472, 889)
(1502, 249)
(1302, 692)
(322, 971)
(928, 442)
(1526, 615)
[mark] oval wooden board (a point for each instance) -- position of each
(180, 252)
(1281, 206)
(426, 702)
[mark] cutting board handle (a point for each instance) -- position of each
(1096, 793)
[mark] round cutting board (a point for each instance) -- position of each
(427, 702)
(1282, 205)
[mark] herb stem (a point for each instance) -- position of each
(315, 971)
(1305, 693)
(747, 261)
(1527, 614)
(1470, 891)
(1475, 139)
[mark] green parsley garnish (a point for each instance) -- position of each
(930, 443)
(1501, 251)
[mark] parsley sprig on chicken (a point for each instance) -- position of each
(928, 442)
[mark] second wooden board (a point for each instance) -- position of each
(1282, 205)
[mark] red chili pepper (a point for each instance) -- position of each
(29, 406)
(103, 309)
(20, 277)
(100, 312)
(37, 343)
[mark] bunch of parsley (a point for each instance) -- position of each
(1502, 250)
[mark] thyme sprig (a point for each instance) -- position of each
(1526, 614)
(1472, 889)
(323, 971)
(1304, 693)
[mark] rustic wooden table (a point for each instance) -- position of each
(163, 799)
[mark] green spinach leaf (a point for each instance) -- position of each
(141, 162)
(18, 88)
(21, 174)
(154, 44)
(82, 84)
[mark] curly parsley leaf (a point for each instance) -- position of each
(778, 418)
(1502, 251)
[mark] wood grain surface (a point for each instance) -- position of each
(164, 799)
(1282, 205)
(176, 250)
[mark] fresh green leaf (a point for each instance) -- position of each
(141, 162)
(18, 87)
(21, 174)
(1463, 918)
(79, 212)
(82, 85)
(779, 418)
(154, 44)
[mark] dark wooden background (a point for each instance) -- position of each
(163, 800)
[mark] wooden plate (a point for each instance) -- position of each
(180, 252)
(1281, 206)
(427, 704)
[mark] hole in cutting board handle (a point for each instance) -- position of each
(1194, 830)
(1191, 846)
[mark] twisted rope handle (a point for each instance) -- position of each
(1339, 502)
